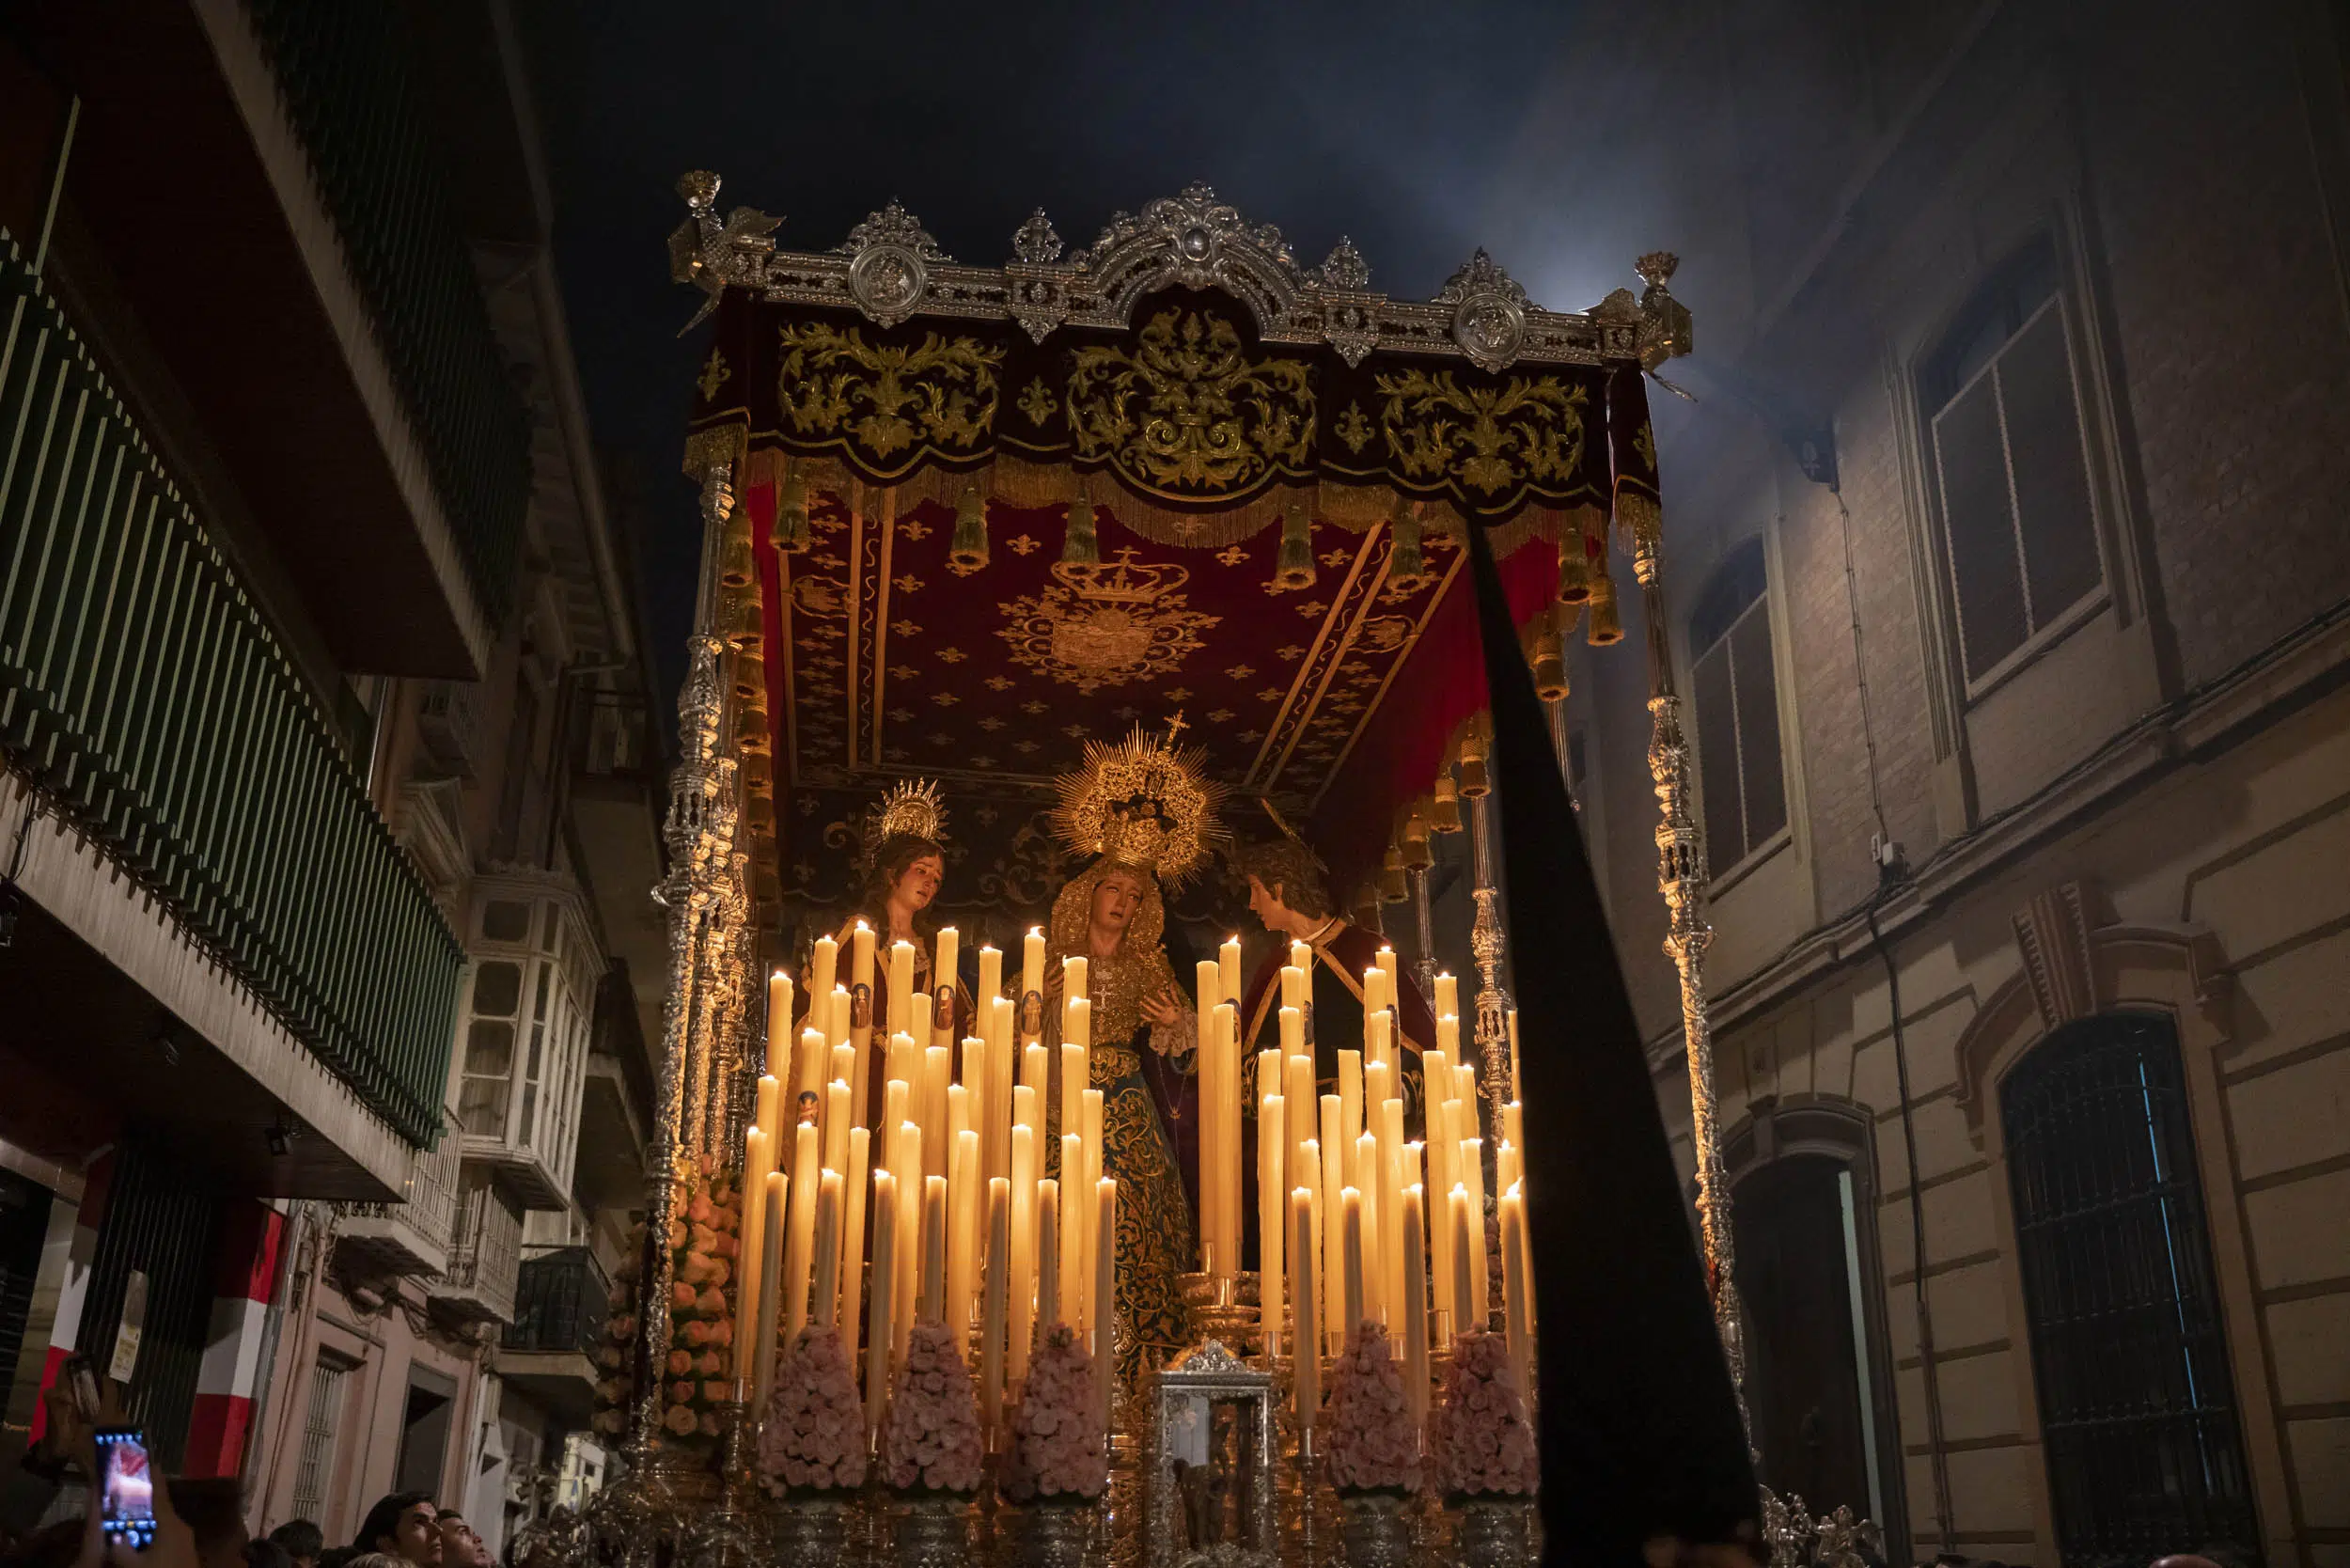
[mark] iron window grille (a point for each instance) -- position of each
(2137, 1409)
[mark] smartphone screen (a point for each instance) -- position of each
(126, 1486)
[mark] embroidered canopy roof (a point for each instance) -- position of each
(1276, 462)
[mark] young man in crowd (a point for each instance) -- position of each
(405, 1525)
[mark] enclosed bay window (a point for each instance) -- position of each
(2002, 404)
(524, 1047)
(1735, 691)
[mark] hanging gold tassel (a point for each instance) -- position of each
(1417, 856)
(1294, 565)
(1574, 569)
(1081, 546)
(1407, 568)
(969, 550)
(745, 634)
(1550, 659)
(1444, 816)
(1607, 625)
(790, 535)
(734, 559)
(1392, 887)
(1366, 911)
(1476, 745)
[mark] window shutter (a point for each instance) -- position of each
(1759, 764)
(1981, 522)
(2044, 440)
(1718, 757)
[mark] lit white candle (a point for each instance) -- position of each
(1306, 1360)
(1071, 1292)
(852, 1318)
(990, 975)
(828, 1250)
(1416, 1306)
(1227, 970)
(1019, 1304)
(1386, 966)
(1365, 1178)
(752, 1253)
(1332, 1145)
(1393, 1289)
(944, 961)
(900, 983)
(1047, 1254)
(937, 1075)
(1032, 978)
(1480, 1265)
(1104, 1310)
(1072, 977)
(1447, 996)
(1513, 1288)
(1351, 1260)
(1350, 1096)
(835, 1126)
(885, 1295)
(1306, 1264)
(815, 1057)
(1463, 1302)
(779, 1022)
(770, 1278)
(1272, 1219)
(823, 968)
(766, 1112)
(861, 1024)
(962, 1251)
(999, 1302)
(934, 1294)
(800, 1245)
(1375, 994)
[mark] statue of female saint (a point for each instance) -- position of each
(1146, 815)
(905, 868)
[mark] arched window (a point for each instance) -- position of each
(2002, 403)
(1818, 1375)
(1735, 692)
(2138, 1412)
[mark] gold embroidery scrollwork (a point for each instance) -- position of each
(1490, 441)
(1188, 413)
(890, 398)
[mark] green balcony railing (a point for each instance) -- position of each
(350, 75)
(141, 688)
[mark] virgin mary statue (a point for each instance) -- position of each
(1146, 815)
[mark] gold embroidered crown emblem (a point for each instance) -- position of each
(1143, 803)
(1122, 581)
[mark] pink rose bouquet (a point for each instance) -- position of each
(930, 1441)
(814, 1436)
(1372, 1444)
(1482, 1443)
(1057, 1438)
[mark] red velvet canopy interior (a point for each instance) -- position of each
(1337, 701)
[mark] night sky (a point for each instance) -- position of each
(1420, 130)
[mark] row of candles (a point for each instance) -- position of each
(947, 1174)
(1348, 1232)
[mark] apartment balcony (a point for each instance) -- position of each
(144, 690)
(548, 1350)
(524, 1023)
(484, 1258)
(448, 721)
(413, 1236)
(317, 300)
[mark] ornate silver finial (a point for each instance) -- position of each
(1489, 311)
(1035, 241)
(1657, 267)
(1344, 268)
(700, 187)
(890, 269)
